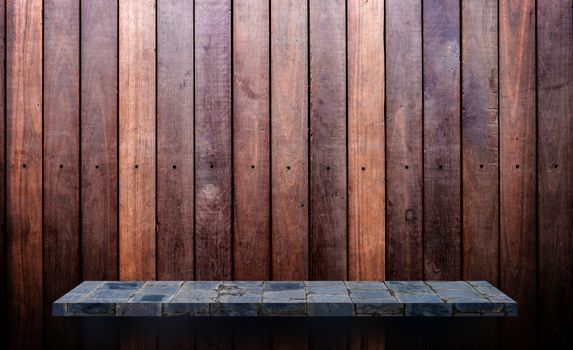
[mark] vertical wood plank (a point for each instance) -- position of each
(99, 118)
(175, 255)
(404, 136)
(251, 151)
(555, 187)
(137, 139)
(61, 225)
(3, 267)
(366, 173)
(442, 199)
(518, 166)
(213, 177)
(480, 140)
(24, 171)
(328, 179)
(289, 91)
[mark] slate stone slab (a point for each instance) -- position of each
(285, 298)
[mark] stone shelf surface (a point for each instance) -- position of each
(295, 298)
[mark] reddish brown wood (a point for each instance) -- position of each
(61, 221)
(251, 103)
(289, 123)
(213, 213)
(137, 140)
(3, 246)
(555, 171)
(175, 116)
(480, 141)
(442, 199)
(99, 118)
(404, 136)
(328, 180)
(24, 171)
(366, 175)
(518, 166)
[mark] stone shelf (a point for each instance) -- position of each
(296, 298)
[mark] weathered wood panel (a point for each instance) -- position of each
(61, 219)
(175, 140)
(328, 178)
(137, 139)
(518, 166)
(24, 171)
(404, 137)
(289, 139)
(213, 177)
(99, 144)
(555, 171)
(251, 153)
(3, 268)
(442, 168)
(366, 167)
(480, 140)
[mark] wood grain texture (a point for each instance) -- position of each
(24, 171)
(137, 139)
(289, 91)
(99, 144)
(213, 177)
(404, 137)
(518, 166)
(251, 124)
(175, 138)
(366, 158)
(480, 140)
(442, 168)
(61, 220)
(328, 179)
(555, 171)
(3, 246)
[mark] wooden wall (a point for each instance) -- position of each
(299, 139)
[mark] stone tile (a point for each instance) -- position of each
(325, 287)
(235, 309)
(281, 307)
(428, 309)
(201, 285)
(86, 287)
(331, 309)
(91, 309)
(480, 284)
(139, 309)
(356, 295)
(409, 287)
(449, 285)
(297, 294)
(113, 285)
(60, 306)
(160, 287)
(240, 299)
(186, 309)
(461, 295)
(288, 298)
(479, 308)
(241, 287)
(330, 305)
(497, 297)
(151, 298)
(283, 286)
(110, 296)
(365, 285)
(195, 296)
(379, 307)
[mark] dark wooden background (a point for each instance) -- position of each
(287, 139)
